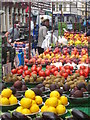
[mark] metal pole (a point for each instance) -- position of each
(29, 30)
(52, 24)
(61, 20)
(86, 14)
(13, 26)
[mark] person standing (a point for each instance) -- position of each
(42, 33)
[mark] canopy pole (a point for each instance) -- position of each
(29, 30)
(52, 24)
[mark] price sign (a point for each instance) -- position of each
(6, 69)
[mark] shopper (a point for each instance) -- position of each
(9, 34)
(42, 33)
(35, 38)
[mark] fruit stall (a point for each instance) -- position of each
(54, 85)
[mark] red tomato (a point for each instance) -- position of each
(56, 73)
(48, 66)
(68, 71)
(85, 74)
(27, 72)
(34, 72)
(41, 73)
(26, 60)
(47, 72)
(60, 67)
(81, 73)
(23, 75)
(82, 67)
(20, 67)
(63, 69)
(56, 68)
(34, 68)
(86, 71)
(67, 67)
(52, 70)
(25, 67)
(20, 72)
(65, 75)
(71, 67)
(14, 71)
(39, 68)
(77, 71)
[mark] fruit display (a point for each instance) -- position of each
(55, 103)
(11, 78)
(19, 86)
(76, 39)
(58, 80)
(30, 103)
(7, 98)
(33, 79)
(14, 116)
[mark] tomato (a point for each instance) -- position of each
(20, 67)
(65, 75)
(68, 71)
(63, 69)
(67, 67)
(56, 73)
(60, 67)
(27, 72)
(39, 68)
(34, 72)
(47, 72)
(14, 71)
(52, 70)
(23, 75)
(41, 73)
(82, 67)
(25, 67)
(56, 68)
(26, 60)
(77, 71)
(20, 72)
(71, 67)
(85, 74)
(34, 68)
(86, 71)
(48, 66)
(81, 73)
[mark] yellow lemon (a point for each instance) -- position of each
(59, 102)
(53, 101)
(38, 100)
(51, 109)
(30, 94)
(13, 100)
(64, 100)
(34, 108)
(26, 111)
(60, 109)
(4, 101)
(33, 102)
(26, 102)
(55, 94)
(6, 93)
(19, 109)
(44, 108)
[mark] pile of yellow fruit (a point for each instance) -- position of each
(55, 103)
(29, 104)
(7, 98)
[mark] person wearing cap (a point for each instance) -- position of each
(9, 34)
(42, 33)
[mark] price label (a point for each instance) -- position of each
(6, 69)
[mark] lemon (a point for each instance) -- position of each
(51, 109)
(59, 102)
(38, 100)
(60, 109)
(55, 94)
(44, 108)
(6, 93)
(4, 101)
(19, 109)
(13, 100)
(26, 111)
(33, 102)
(64, 100)
(53, 101)
(30, 94)
(26, 102)
(34, 108)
